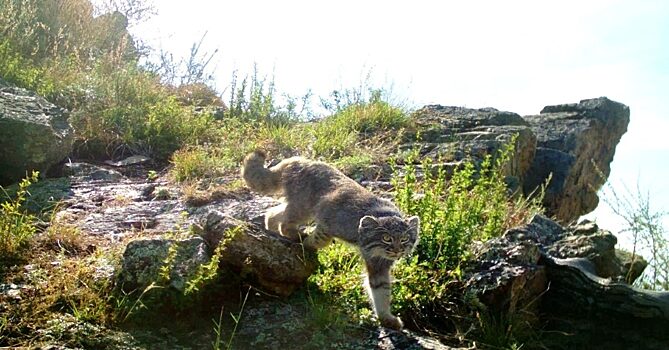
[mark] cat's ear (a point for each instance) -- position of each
(367, 222)
(414, 222)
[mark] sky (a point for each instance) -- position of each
(512, 55)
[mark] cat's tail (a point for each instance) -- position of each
(259, 178)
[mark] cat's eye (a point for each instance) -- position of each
(386, 238)
(404, 239)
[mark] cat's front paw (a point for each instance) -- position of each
(392, 322)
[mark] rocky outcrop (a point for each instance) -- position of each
(450, 135)
(574, 280)
(34, 133)
(570, 144)
(103, 201)
(574, 143)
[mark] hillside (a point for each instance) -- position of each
(139, 233)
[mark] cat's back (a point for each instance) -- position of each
(306, 175)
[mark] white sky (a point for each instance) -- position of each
(512, 55)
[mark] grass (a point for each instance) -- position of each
(17, 227)
(64, 282)
(352, 137)
(89, 66)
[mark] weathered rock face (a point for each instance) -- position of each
(274, 263)
(34, 133)
(568, 142)
(574, 143)
(452, 134)
(573, 279)
(143, 260)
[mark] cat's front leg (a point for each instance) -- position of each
(378, 285)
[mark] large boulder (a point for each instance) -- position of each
(34, 133)
(575, 147)
(270, 261)
(572, 282)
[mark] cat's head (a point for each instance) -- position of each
(389, 237)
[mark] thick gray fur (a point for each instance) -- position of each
(341, 208)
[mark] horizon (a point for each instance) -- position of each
(518, 56)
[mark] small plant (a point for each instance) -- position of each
(194, 163)
(216, 344)
(254, 100)
(340, 273)
(152, 175)
(236, 319)
(16, 226)
(645, 226)
(206, 273)
(342, 133)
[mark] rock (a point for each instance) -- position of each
(586, 240)
(571, 143)
(574, 143)
(103, 201)
(574, 279)
(85, 172)
(132, 160)
(34, 133)
(44, 195)
(505, 275)
(264, 325)
(270, 261)
(144, 258)
(453, 134)
(592, 312)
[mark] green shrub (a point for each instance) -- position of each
(474, 205)
(45, 30)
(16, 226)
(22, 72)
(339, 275)
(130, 108)
(371, 116)
(197, 162)
(89, 65)
(333, 140)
